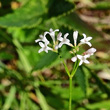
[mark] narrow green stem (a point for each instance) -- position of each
(75, 69)
(70, 92)
(66, 68)
(70, 83)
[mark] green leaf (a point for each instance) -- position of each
(58, 7)
(46, 60)
(9, 98)
(27, 16)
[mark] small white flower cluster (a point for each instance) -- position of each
(57, 43)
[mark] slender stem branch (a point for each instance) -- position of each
(66, 68)
(70, 92)
(75, 69)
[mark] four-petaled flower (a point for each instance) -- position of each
(42, 38)
(83, 59)
(63, 40)
(52, 34)
(90, 51)
(44, 47)
(86, 40)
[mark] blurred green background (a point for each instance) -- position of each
(32, 81)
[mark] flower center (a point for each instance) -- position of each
(83, 58)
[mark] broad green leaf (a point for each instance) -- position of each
(46, 60)
(27, 16)
(10, 98)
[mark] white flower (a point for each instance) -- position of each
(83, 59)
(75, 36)
(44, 47)
(86, 40)
(63, 40)
(42, 38)
(90, 51)
(52, 34)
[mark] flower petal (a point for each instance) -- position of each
(37, 40)
(46, 41)
(65, 36)
(41, 50)
(48, 48)
(56, 30)
(79, 57)
(51, 30)
(74, 58)
(82, 41)
(80, 63)
(88, 43)
(59, 37)
(84, 35)
(60, 44)
(75, 36)
(88, 38)
(86, 61)
(41, 44)
(45, 33)
(86, 56)
(90, 51)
